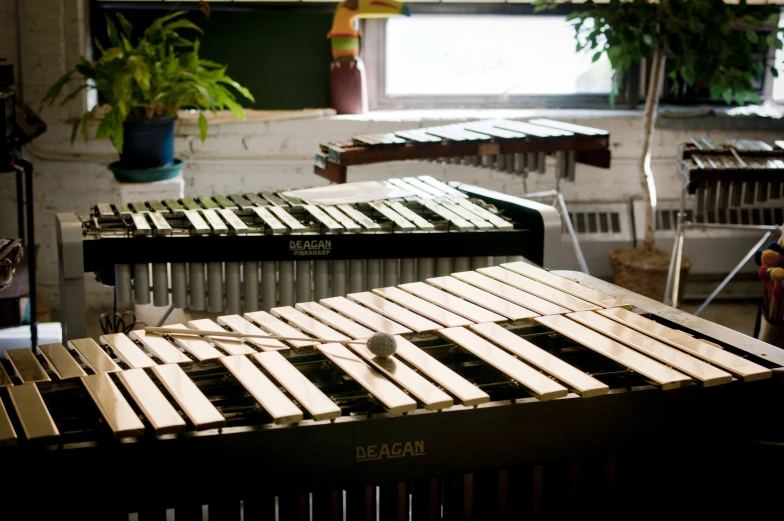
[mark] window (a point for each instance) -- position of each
(488, 60)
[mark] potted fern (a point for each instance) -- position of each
(142, 85)
(710, 43)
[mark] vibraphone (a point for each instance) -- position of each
(514, 393)
(508, 146)
(258, 251)
(727, 180)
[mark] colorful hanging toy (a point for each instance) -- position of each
(347, 73)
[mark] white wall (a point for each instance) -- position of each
(245, 156)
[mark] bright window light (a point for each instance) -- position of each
(489, 55)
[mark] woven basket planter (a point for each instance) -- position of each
(645, 271)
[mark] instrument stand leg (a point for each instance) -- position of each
(734, 271)
(675, 259)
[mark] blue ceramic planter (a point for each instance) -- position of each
(145, 175)
(148, 144)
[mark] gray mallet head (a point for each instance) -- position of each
(382, 345)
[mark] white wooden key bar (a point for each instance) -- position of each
(335, 320)
(423, 307)
(233, 347)
(160, 347)
(512, 294)
(127, 351)
(364, 316)
(196, 346)
(395, 312)
(537, 288)
(482, 298)
(452, 303)
(240, 325)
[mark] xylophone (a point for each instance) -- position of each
(514, 393)
(726, 181)
(505, 145)
(258, 251)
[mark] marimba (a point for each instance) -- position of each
(514, 392)
(261, 250)
(505, 145)
(727, 181)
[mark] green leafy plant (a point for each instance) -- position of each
(152, 77)
(721, 46)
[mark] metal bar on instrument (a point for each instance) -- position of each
(482, 298)
(466, 214)
(115, 409)
(697, 369)
(233, 288)
(26, 365)
(505, 291)
(425, 187)
(584, 384)
(141, 283)
(487, 215)
(197, 281)
(564, 284)
(303, 280)
(432, 181)
(225, 202)
(456, 221)
(359, 217)
(215, 222)
(215, 281)
(393, 399)
(280, 328)
(140, 224)
(308, 395)
(662, 375)
(745, 369)
(537, 383)
(393, 216)
(286, 218)
(198, 224)
(365, 316)
(452, 303)
(160, 223)
(270, 220)
(236, 225)
(326, 221)
(240, 325)
(413, 190)
(340, 217)
(468, 394)
(207, 202)
(160, 284)
(286, 287)
(307, 324)
(335, 320)
(160, 347)
(36, 421)
(428, 394)
(60, 361)
(196, 406)
(7, 432)
(127, 351)
(537, 288)
(265, 392)
(394, 311)
(410, 215)
(250, 279)
(163, 417)
(233, 347)
(92, 355)
(569, 127)
(195, 345)
(423, 307)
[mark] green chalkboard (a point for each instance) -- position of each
(281, 54)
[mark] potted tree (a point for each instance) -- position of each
(142, 85)
(704, 42)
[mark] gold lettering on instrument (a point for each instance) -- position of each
(26, 365)
(398, 449)
(489, 149)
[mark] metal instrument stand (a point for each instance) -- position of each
(674, 274)
(560, 205)
(26, 223)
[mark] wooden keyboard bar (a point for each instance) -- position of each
(452, 303)
(60, 361)
(465, 391)
(538, 384)
(127, 351)
(308, 395)
(694, 367)
(7, 432)
(564, 284)
(487, 300)
(115, 409)
(537, 288)
(583, 384)
(164, 350)
(394, 312)
(240, 325)
(92, 355)
(392, 398)
(194, 404)
(163, 417)
(278, 327)
(26, 366)
(335, 320)
(263, 390)
(36, 421)
(505, 291)
(428, 394)
(233, 347)
(308, 324)
(195, 345)
(746, 370)
(422, 307)
(659, 373)
(365, 316)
